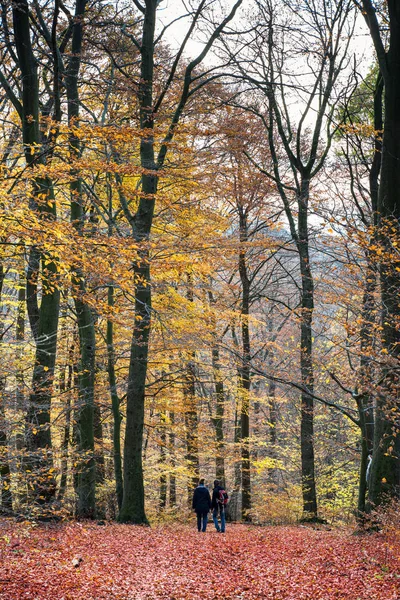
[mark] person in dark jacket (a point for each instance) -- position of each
(218, 507)
(201, 504)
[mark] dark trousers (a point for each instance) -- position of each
(221, 510)
(202, 518)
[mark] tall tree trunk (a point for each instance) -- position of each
(244, 367)
(115, 403)
(367, 337)
(5, 473)
(218, 419)
(99, 452)
(384, 479)
(172, 476)
(86, 476)
(191, 417)
(132, 508)
(68, 391)
(86, 473)
(39, 461)
(6, 506)
(19, 376)
(306, 359)
(191, 427)
(162, 464)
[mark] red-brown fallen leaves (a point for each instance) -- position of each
(122, 562)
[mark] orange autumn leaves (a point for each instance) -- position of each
(84, 561)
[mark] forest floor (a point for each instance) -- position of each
(85, 561)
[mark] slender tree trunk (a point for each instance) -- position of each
(244, 368)
(132, 509)
(68, 391)
(86, 476)
(39, 461)
(5, 473)
(191, 417)
(367, 332)
(306, 358)
(162, 464)
(384, 478)
(99, 452)
(172, 477)
(365, 399)
(191, 427)
(218, 419)
(234, 507)
(272, 406)
(19, 376)
(6, 506)
(86, 473)
(115, 403)
(219, 415)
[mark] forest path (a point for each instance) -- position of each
(85, 561)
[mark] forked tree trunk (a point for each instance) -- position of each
(132, 509)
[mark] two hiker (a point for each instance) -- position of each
(202, 503)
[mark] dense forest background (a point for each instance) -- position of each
(199, 257)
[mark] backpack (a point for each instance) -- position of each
(222, 498)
